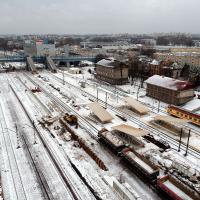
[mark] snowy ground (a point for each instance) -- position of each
(39, 105)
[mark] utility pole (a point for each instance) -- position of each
(34, 134)
(138, 92)
(106, 99)
(187, 143)
(179, 147)
(97, 95)
(18, 137)
(63, 77)
(158, 106)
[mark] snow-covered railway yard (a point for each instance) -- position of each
(42, 159)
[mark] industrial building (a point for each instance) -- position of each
(169, 90)
(39, 48)
(112, 71)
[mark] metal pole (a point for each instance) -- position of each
(106, 99)
(179, 147)
(187, 143)
(35, 142)
(97, 95)
(63, 78)
(138, 92)
(158, 106)
(18, 139)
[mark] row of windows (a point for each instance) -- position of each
(188, 117)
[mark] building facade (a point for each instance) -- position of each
(168, 90)
(165, 68)
(33, 48)
(112, 71)
(182, 58)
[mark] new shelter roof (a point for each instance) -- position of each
(171, 120)
(100, 112)
(130, 130)
(136, 105)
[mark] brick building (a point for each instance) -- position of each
(169, 90)
(182, 58)
(112, 71)
(165, 68)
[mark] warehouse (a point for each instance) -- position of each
(169, 90)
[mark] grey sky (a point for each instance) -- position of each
(99, 16)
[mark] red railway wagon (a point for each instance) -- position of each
(176, 189)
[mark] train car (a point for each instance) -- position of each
(184, 114)
(140, 164)
(113, 141)
(158, 142)
(175, 189)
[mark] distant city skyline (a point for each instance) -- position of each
(98, 17)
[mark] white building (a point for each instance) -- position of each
(32, 48)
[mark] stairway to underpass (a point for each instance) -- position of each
(51, 64)
(31, 65)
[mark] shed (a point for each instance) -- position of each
(103, 115)
(136, 105)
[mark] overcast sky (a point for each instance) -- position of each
(99, 16)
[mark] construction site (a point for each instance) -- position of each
(62, 139)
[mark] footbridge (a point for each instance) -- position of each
(43, 59)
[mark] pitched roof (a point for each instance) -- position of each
(166, 82)
(171, 120)
(136, 105)
(109, 63)
(130, 130)
(102, 114)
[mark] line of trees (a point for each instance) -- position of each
(179, 39)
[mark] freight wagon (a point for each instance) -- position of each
(140, 164)
(175, 189)
(113, 141)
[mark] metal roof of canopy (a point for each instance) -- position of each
(130, 130)
(171, 120)
(136, 105)
(103, 115)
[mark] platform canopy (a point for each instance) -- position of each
(103, 115)
(171, 120)
(136, 105)
(130, 130)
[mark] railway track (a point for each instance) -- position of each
(17, 180)
(38, 172)
(87, 125)
(75, 194)
(64, 107)
(143, 125)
